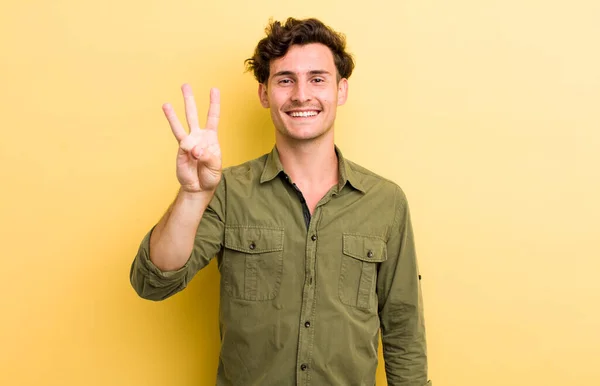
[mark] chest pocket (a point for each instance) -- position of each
(358, 275)
(252, 262)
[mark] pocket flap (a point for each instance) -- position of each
(249, 239)
(371, 249)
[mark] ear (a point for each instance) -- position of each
(263, 96)
(342, 91)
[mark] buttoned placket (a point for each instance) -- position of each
(307, 329)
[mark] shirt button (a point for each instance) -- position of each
(303, 367)
(252, 245)
(307, 324)
(313, 237)
(370, 254)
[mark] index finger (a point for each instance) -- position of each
(176, 126)
(214, 109)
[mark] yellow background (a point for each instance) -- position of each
(485, 112)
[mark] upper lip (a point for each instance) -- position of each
(301, 110)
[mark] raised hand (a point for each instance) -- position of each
(199, 155)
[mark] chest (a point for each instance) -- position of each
(312, 198)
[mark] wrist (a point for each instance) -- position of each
(196, 195)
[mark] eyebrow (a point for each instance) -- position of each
(291, 73)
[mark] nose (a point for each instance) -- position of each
(301, 93)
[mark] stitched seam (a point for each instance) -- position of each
(253, 227)
(357, 256)
(229, 243)
(253, 294)
(253, 251)
(366, 236)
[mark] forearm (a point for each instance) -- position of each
(404, 347)
(401, 306)
(172, 239)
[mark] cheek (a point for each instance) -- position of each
(279, 100)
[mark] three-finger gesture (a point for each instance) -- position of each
(199, 154)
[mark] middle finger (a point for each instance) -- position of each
(191, 113)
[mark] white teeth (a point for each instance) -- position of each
(303, 113)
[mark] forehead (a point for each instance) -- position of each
(305, 58)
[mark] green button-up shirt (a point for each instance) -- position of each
(303, 297)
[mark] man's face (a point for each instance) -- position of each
(303, 92)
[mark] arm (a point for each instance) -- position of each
(190, 230)
(154, 283)
(401, 305)
(172, 239)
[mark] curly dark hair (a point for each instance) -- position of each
(280, 37)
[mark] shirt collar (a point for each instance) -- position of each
(273, 167)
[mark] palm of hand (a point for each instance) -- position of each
(199, 156)
(199, 168)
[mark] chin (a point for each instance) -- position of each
(302, 135)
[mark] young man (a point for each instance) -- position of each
(316, 253)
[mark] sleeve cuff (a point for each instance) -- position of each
(153, 270)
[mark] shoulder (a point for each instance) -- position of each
(247, 171)
(374, 183)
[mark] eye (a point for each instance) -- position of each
(285, 81)
(318, 80)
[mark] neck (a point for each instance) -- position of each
(309, 163)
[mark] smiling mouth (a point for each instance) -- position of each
(303, 114)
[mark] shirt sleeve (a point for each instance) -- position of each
(401, 305)
(151, 283)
